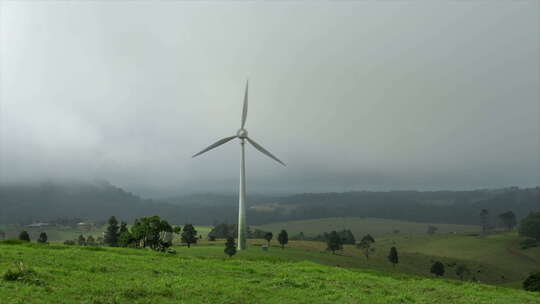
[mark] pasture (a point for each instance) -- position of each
(202, 274)
(360, 226)
(496, 259)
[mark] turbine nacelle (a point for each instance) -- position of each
(242, 133)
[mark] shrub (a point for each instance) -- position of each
(69, 242)
(42, 238)
(532, 283)
(13, 242)
(21, 274)
(24, 236)
(437, 269)
(528, 243)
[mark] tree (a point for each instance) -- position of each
(530, 226)
(24, 236)
(90, 241)
(334, 242)
(123, 228)
(461, 271)
(484, 220)
(125, 239)
(508, 219)
(152, 231)
(283, 238)
(366, 244)
(230, 247)
(268, 237)
(189, 235)
(347, 237)
(111, 235)
(431, 230)
(42, 238)
(532, 282)
(393, 256)
(81, 241)
(437, 269)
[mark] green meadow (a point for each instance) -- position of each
(202, 274)
(360, 226)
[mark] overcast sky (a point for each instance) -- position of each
(352, 95)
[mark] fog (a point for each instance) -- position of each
(352, 95)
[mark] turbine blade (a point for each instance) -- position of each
(245, 109)
(216, 144)
(264, 151)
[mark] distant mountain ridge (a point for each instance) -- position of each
(27, 203)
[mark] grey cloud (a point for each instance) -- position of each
(351, 95)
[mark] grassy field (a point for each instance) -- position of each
(201, 274)
(495, 259)
(361, 226)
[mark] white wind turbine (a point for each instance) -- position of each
(242, 134)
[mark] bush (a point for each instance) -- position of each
(13, 242)
(69, 242)
(24, 236)
(21, 274)
(532, 283)
(528, 243)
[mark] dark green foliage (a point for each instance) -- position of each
(14, 242)
(94, 200)
(508, 219)
(211, 238)
(366, 244)
(530, 226)
(153, 232)
(81, 241)
(462, 271)
(437, 269)
(111, 235)
(24, 236)
(223, 231)
(393, 256)
(126, 239)
(334, 242)
(256, 233)
(90, 241)
(42, 238)
(346, 236)
(189, 235)
(123, 228)
(431, 230)
(230, 247)
(283, 238)
(69, 242)
(268, 237)
(532, 283)
(528, 243)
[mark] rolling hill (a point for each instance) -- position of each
(62, 274)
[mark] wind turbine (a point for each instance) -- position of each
(242, 134)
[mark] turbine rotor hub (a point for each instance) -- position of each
(242, 133)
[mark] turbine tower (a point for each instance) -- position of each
(242, 134)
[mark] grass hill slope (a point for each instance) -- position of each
(361, 226)
(62, 274)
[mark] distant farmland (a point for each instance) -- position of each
(360, 226)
